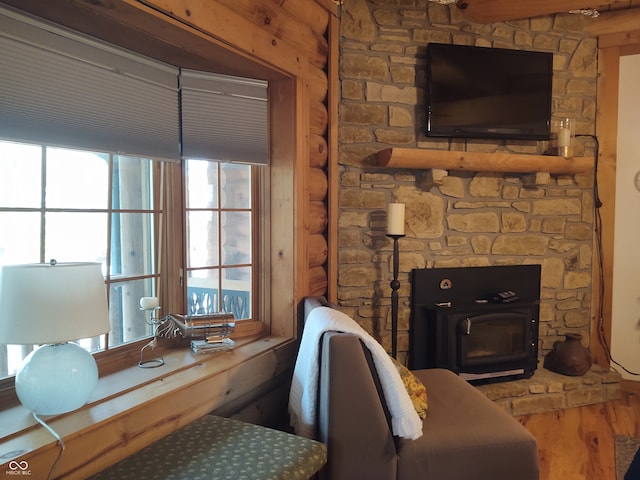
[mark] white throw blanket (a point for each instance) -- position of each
(405, 422)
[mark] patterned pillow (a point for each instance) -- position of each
(415, 388)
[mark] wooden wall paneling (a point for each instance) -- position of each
(630, 49)
(172, 253)
(318, 281)
(318, 86)
(320, 76)
(288, 105)
(318, 184)
(316, 216)
(312, 14)
(607, 132)
(140, 28)
(333, 172)
(318, 250)
(318, 118)
(279, 23)
(616, 21)
(331, 6)
(492, 11)
(266, 408)
(619, 39)
(318, 151)
(316, 219)
(218, 21)
(302, 190)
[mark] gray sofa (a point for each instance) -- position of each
(465, 435)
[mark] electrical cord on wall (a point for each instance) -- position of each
(57, 437)
(597, 203)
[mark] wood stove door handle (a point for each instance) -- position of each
(467, 326)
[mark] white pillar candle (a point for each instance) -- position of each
(395, 219)
(564, 133)
(564, 137)
(149, 303)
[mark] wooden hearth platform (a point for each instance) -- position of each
(547, 391)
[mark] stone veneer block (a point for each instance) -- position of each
(611, 377)
(572, 383)
(554, 386)
(540, 217)
(537, 388)
(504, 404)
(497, 391)
(538, 404)
(586, 396)
(613, 391)
(548, 391)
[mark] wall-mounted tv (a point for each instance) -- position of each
(478, 92)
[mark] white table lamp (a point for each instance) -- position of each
(50, 305)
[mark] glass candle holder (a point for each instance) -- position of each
(564, 137)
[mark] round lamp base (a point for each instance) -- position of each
(56, 379)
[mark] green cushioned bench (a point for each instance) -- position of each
(220, 448)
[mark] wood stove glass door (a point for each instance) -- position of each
(493, 338)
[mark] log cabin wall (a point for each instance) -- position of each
(287, 42)
(455, 218)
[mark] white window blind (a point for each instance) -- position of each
(224, 118)
(61, 88)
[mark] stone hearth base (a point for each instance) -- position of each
(546, 391)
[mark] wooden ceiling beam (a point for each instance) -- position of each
(491, 11)
(141, 27)
(616, 21)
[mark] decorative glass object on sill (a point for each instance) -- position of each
(208, 332)
(150, 305)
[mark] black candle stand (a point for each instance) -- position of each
(395, 286)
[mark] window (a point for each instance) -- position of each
(84, 202)
(107, 211)
(220, 238)
(74, 205)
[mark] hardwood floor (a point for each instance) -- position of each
(578, 443)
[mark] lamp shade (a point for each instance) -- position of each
(52, 303)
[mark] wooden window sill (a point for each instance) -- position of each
(133, 408)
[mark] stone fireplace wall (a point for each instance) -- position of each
(457, 218)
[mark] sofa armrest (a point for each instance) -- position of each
(352, 418)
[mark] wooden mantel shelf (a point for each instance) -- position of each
(482, 162)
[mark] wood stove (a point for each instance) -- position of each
(480, 322)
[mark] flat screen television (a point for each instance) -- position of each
(479, 92)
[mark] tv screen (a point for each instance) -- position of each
(478, 92)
